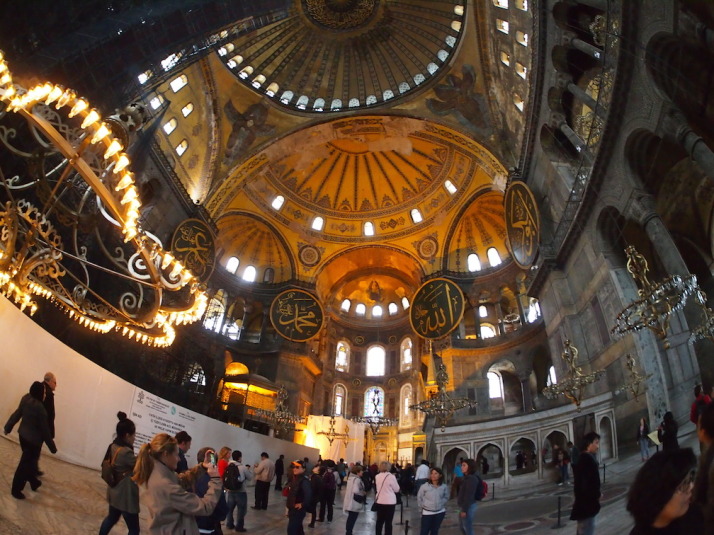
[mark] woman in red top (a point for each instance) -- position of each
(224, 457)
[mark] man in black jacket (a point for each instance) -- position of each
(587, 486)
(50, 383)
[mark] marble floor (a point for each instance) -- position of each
(71, 501)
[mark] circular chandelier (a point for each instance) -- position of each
(441, 405)
(282, 419)
(69, 220)
(375, 420)
(573, 385)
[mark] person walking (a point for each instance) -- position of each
(264, 473)
(660, 498)
(224, 457)
(341, 470)
(234, 480)
(667, 432)
(458, 478)
(50, 383)
(299, 498)
(643, 441)
(329, 490)
(279, 471)
(421, 476)
(316, 485)
(587, 486)
(172, 509)
(34, 430)
(123, 497)
(386, 487)
(704, 485)
(563, 462)
(467, 496)
(355, 497)
(432, 498)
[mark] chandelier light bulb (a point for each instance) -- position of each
(78, 107)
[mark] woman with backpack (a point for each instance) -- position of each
(467, 496)
(123, 497)
(431, 498)
(299, 498)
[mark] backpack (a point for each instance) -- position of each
(367, 482)
(231, 478)
(481, 490)
(109, 475)
(329, 480)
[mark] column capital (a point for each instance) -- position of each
(642, 208)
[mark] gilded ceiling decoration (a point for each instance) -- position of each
(343, 55)
(255, 244)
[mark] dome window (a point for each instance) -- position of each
(503, 4)
(178, 82)
(449, 185)
(277, 203)
(393, 309)
(249, 274)
(377, 311)
(387, 94)
(155, 102)
(432, 68)
(473, 263)
(450, 41)
(405, 303)
(318, 223)
(360, 309)
(416, 215)
(245, 72)
(482, 311)
(522, 5)
(443, 55)
(493, 257)
(403, 87)
(505, 59)
(518, 102)
(345, 306)
(232, 264)
(170, 125)
(286, 97)
(456, 25)
(459, 10)
(368, 228)
(237, 60)
(302, 102)
(419, 78)
(181, 147)
(522, 38)
(187, 109)
(272, 89)
(258, 81)
(336, 105)
(319, 104)
(353, 103)
(521, 70)
(502, 26)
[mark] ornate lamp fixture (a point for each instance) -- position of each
(442, 406)
(636, 379)
(332, 434)
(575, 381)
(69, 211)
(375, 420)
(282, 419)
(706, 329)
(657, 300)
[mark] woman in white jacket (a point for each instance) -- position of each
(386, 486)
(355, 497)
(432, 498)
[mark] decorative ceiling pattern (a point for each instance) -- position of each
(344, 55)
(481, 227)
(255, 244)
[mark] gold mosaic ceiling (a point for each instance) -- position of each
(343, 55)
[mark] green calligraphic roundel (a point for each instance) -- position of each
(522, 224)
(436, 309)
(297, 315)
(194, 246)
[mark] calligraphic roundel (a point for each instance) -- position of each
(522, 224)
(194, 245)
(296, 315)
(437, 308)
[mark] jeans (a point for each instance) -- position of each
(351, 521)
(328, 497)
(237, 500)
(27, 467)
(262, 490)
(385, 513)
(586, 527)
(644, 448)
(430, 523)
(295, 518)
(466, 524)
(131, 519)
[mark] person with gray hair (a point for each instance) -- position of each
(50, 383)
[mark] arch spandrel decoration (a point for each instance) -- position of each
(297, 315)
(437, 309)
(194, 245)
(522, 224)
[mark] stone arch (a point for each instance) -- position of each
(607, 438)
(651, 157)
(525, 447)
(553, 441)
(451, 458)
(541, 362)
(494, 456)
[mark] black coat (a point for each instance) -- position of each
(34, 427)
(49, 404)
(668, 435)
(586, 488)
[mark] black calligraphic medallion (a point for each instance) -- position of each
(296, 315)
(437, 308)
(194, 246)
(522, 224)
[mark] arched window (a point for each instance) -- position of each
(245, 72)
(178, 82)
(522, 5)
(502, 26)
(371, 99)
(493, 257)
(368, 228)
(487, 331)
(387, 94)
(522, 38)
(406, 355)
(336, 104)
(195, 378)
(215, 311)
(376, 311)
(432, 67)
(342, 357)
(269, 275)
(258, 81)
(338, 403)
(505, 58)
(449, 185)
(419, 77)
(374, 401)
(403, 87)
(501, 3)
(456, 25)
(302, 102)
(376, 357)
(416, 215)
(360, 309)
(393, 309)
(232, 264)
(277, 203)
(170, 125)
(521, 70)
(533, 311)
(187, 109)
(181, 147)
(286, 97)
(482, 311)
(405, 400)
(318, 223)
(353, 103)
(552, 379)
(272, 89)
(346, 304)
(405, 302)
(249, 274)
(473, 263)
(319, 104)
(518, 101)
(155, 102)
(495, 385)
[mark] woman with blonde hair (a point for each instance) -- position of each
(172, 509)
(387, 487)
(224, 457)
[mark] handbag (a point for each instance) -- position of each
(108, 474)
(374, 505)
(399, 497)
(359, 498)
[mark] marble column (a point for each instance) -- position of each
(579, 145)
(587, 48)
(696, 147)
(586, 99)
